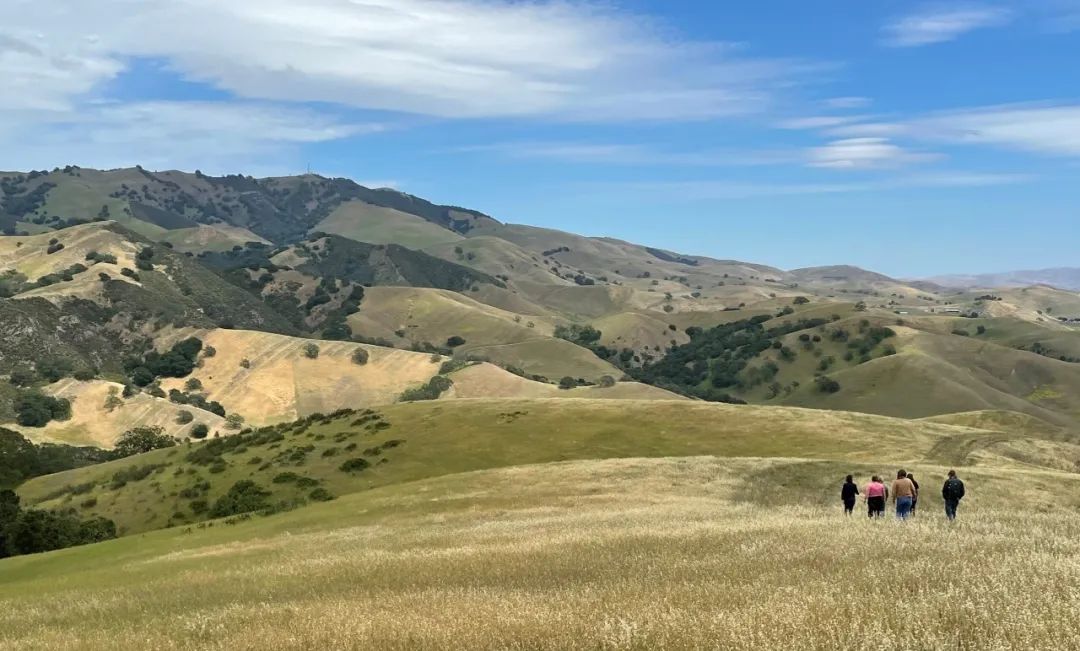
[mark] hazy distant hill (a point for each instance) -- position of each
(1061, 277)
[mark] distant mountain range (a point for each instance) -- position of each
(315, 294)
(1061, 277)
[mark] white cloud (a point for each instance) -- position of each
(1050, 129)
(1044, 129)
(848, 102)
(943, 23)
(634, 154)
(819, 121)
(216, 137)
(448, 58)
(865, 153)
(723, 190)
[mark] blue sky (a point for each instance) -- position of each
(910, 138)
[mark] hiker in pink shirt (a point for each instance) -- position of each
(876, 495)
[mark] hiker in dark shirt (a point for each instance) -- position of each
(848, 493)
(952, 492)
(914, 500)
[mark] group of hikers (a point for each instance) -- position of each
(904, 492)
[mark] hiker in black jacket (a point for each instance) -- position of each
(952, 492)
(914, 500)
(848, 493)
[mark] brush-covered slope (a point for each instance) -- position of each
(412, 441)
(431, 317)
(934, 374)
(281, 210)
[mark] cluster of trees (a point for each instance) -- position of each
(178, 361)
(35, 409)
(435, 387)
(582, 335)
(714, 361)
(49, 369)
(196, 400)
(20, 459)
(29, 531)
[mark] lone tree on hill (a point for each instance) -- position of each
(142, 439)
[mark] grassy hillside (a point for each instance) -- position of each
(415, 315)
(618, 553)
(268, 378)
(419, 316)
(445, 437)
(98, 420)
(281, 210)
(363, 222)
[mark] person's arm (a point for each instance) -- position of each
(945, 490)
(961, 490)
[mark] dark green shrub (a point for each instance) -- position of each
(826, 384)
(244, 496)
(320, 495)
(430, 391)
(355, 465)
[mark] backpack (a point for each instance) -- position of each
(954, 489)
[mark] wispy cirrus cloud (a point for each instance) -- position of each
(941, 23)
(866, 153)
(1042, 128)
(445, 58)
(634, 154)
(218, 137)
(819, 121)
(850, 102)
(726, 190)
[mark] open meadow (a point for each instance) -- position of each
(721, 540)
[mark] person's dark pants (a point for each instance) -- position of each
(849, 506)
(950, 508)
(876, 506)
(914, 503)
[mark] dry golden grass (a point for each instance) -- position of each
(281, 383)
(618, 554)
(92, 423)
(490, 381)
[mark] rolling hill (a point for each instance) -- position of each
(581, 515)
(415, 430)
(1067, 278)
(124, 260)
